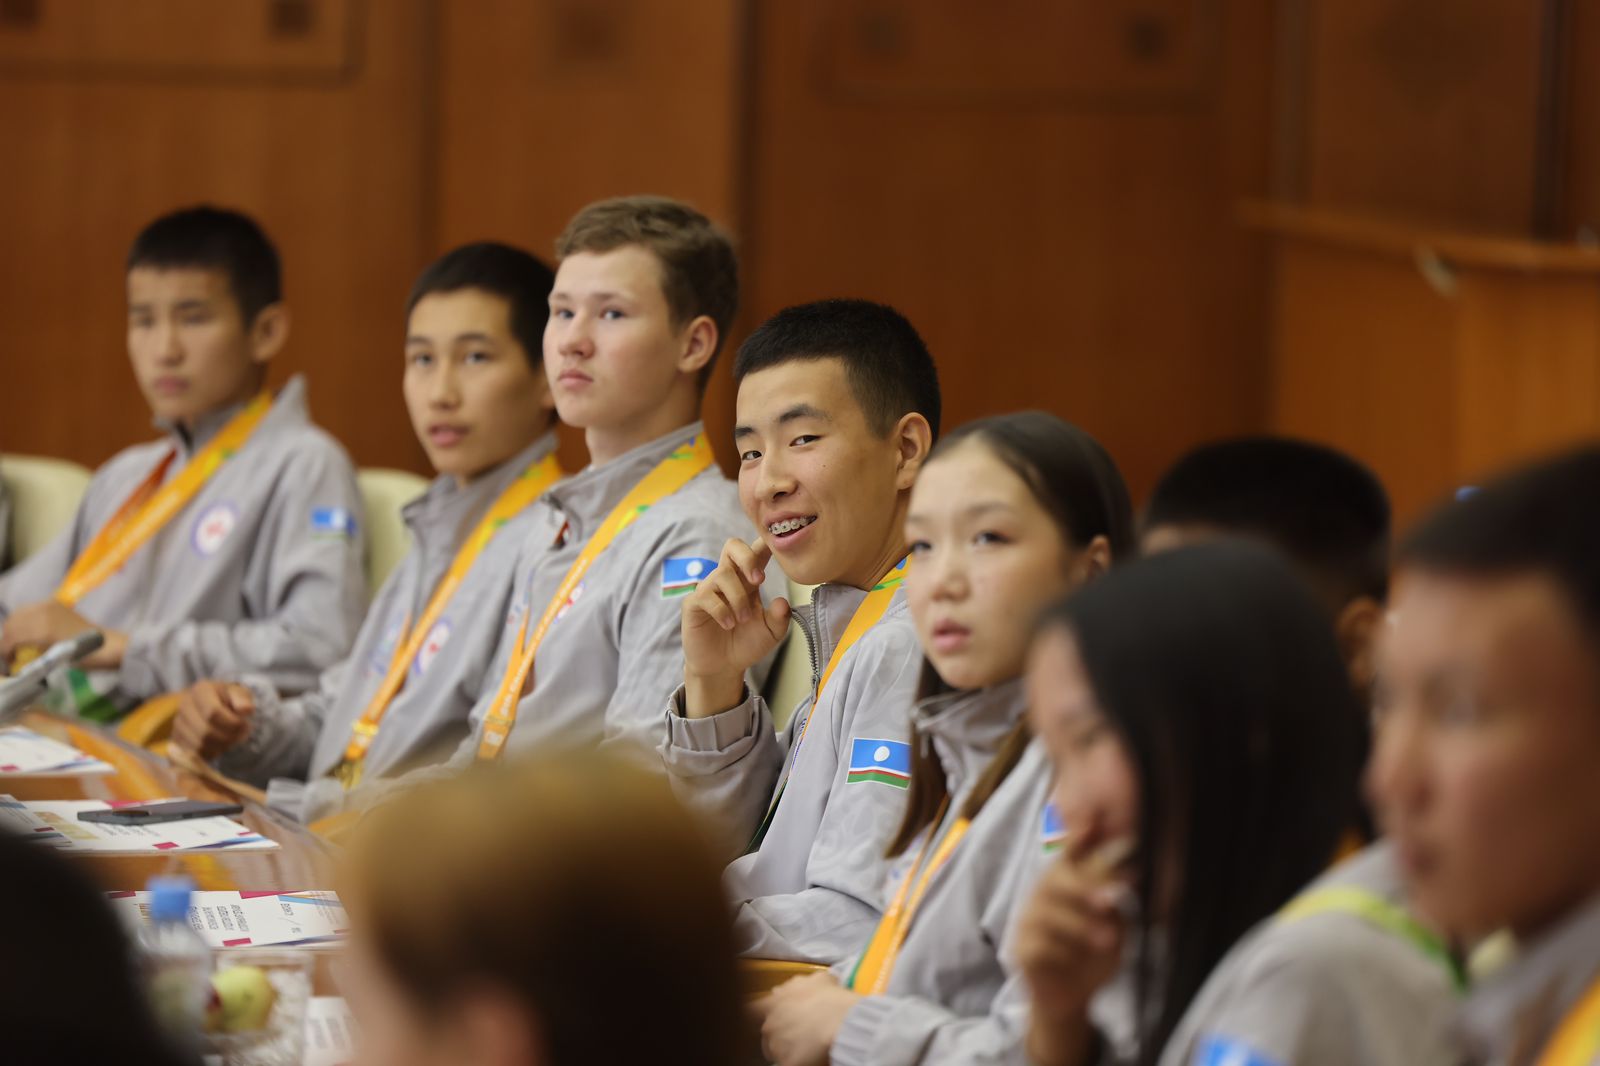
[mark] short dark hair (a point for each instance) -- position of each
(215, 238)
(890, 371)
(519, 278)
(699, 268)
(1325, 510)
(1217, 668)
(1540, 519)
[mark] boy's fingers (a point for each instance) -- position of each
(763, 553)
(715, 608)
(731, 587)
(241, 699)
(746, 561)
(777, 616)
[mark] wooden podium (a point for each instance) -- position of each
(1435, 357)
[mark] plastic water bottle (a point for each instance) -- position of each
(177, 961)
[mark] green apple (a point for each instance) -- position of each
(241, 999)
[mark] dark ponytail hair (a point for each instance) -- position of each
(1218, 668)
(1075, 480)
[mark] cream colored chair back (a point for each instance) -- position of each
(383, 493)
(790, 680)
(44, 495)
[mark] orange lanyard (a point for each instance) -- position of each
(670, 475)
(152, 505)
(528, 486)
(871, 975)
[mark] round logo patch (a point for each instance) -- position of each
(213, 527)
(437, 638)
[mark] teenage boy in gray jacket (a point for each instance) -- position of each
(232, 546)
(480, 405)
(838, 405)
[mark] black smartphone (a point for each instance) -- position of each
(155, 813)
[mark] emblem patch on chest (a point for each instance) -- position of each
(212, 529)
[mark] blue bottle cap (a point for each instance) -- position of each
(169, 898)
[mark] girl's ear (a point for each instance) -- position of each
(1092, 561)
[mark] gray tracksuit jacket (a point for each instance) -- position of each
(1511, 1016)
(616, 650)
(1328, 988)
(261, 573)
(295, 742)
(813, 891)
(954, 995)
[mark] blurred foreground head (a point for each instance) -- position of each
(561, 910)
(1488, 703)
(69, 983)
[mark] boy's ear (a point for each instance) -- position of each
(700, 344)
(1357, 628)
(269, 332)
(914, 439)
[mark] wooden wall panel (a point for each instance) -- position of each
(1364, 363)
(1436, 358)
(546, 106)
(1530, 366)
(332, 166)
(1074, 251)
(1423, 109)
(1580, 188)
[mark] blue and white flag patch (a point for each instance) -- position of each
(1052, 830)
(680, 576)
(887, 762)
(332, 522)
(1225, 1051)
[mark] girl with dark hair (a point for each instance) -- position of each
(1198, 714)
(1008, 515)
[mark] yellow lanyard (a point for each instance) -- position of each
(144, 513)
(867, 615)
(871, 975)
(529, 486)
(1577, 1040)
(672, 474)
(1377, 911)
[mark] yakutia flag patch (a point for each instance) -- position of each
(887, 762)
(680, 576)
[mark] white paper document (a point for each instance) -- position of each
(22, 751)
(61, 828)
(251, 919)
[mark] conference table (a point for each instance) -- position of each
(301, 862)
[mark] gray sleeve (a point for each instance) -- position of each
(905, 1030)
(845, 868)
(306, 595)
(723, 767)
(650, 639)
(283, 732)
